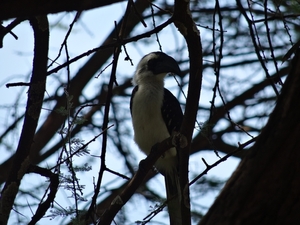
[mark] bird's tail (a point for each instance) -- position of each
(173, 197)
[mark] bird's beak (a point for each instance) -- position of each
(166, 64)
(172, 66)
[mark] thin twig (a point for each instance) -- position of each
(209, 167)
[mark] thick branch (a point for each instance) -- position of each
(36, 91)
(27, 8)
(185, 24)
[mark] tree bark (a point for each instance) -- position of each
(265, 188)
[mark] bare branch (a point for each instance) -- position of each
(36, 91)
(186, 25)
(27, 8)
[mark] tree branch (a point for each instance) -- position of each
(28, 8)
(84, 75)
(185, 24)
(54, 181)
(22, 158)
(144, 168)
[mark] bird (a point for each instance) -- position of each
(156, 115)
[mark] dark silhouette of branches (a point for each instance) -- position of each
(24, 8)
(278, 140)
(54, 120)
(240, 64)
(22, 158)
(54, 181)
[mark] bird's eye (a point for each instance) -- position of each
(152, 63)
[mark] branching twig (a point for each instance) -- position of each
(54, 181)
(257, 46)
(113, 44)
(64, 43)
(209, 167)
(8, 30)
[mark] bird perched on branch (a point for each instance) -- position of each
(156, 114)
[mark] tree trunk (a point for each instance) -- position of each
(265, 188)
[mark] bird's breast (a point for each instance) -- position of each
(149, 126)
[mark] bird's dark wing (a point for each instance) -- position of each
(171, 112)
(173, 117)
(132, 95)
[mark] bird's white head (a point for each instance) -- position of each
(153, 67)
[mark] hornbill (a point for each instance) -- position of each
(156, 114)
